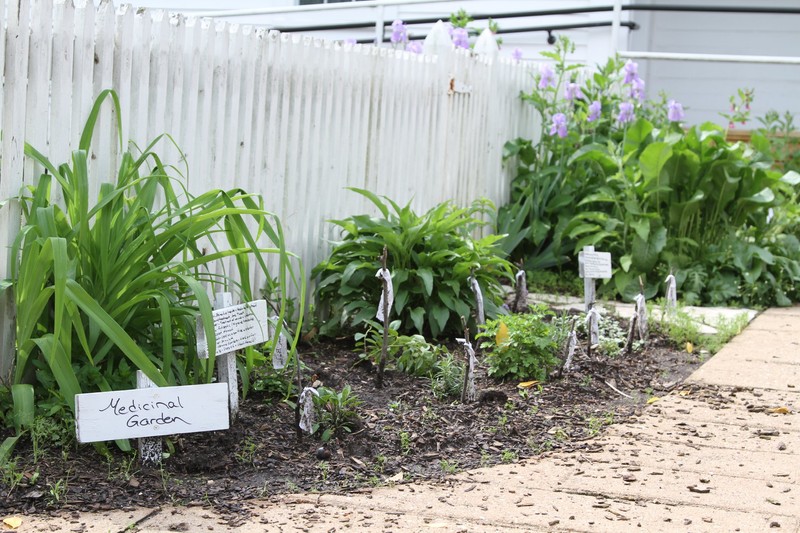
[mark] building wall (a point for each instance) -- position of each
(704, 87)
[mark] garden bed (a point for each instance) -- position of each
(404, 434)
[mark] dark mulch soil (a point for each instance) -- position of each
(261, 455)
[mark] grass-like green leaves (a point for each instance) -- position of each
(105, 288)
(431, 257)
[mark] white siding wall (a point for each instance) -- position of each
(704, 87)
(292, 118)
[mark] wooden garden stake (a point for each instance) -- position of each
(383, 311)
(150, 448)
(631, 333)
(521, 296)
(468, 392)
(592, 319)
(226, 362)
(569, 348)
(672, 293)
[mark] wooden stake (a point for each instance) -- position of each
(588, 283)
(226, 362)
(385, 304)
(150, 448)
(466, 364)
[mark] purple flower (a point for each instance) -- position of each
(548, 77)
(637, 89)
(559, 125)
(572, 91)
(674, 111)
(625, 112)
(461, 38)
(631, 71)
(594, 111)
(415, 47)
(450, 29)
(399, 32)
(516, 55)
(350, 40)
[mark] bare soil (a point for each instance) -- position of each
(404, 433)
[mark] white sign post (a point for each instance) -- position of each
(591, 266)
(235, 327)
(151, 412)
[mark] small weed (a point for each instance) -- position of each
(448, 467)
(405, 442)
(486, 459)
(559, 433)
(324, 470)
(247, 452)
(374, 481)
(380, 463)
(508, 456)
(57, 491)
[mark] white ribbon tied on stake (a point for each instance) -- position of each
(388, 295)
(592, 324)
(476, 288)
(672, 292)
(471, 392)
(307, 417)
(572, 342)
(281, 352)
(641, 315)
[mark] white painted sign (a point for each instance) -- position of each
(151, 412)
(236, 327)
(594, 265)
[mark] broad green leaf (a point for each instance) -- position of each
(653, 159)
(426, 275)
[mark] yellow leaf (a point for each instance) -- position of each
(12, 522)
(783, 410)
(654, 399)
(527, 384)
(689, 347)
(685, 393)
(502, 334)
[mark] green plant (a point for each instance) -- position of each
(777, 138)
(681, 327)
(57, 491)
(412, 353)
(508, 456)
(657, 196)
(431, 257)
(338, 411)
(246, 453)
(523, 346)
(447, 378)
(405, 443)
(105, 288)
(448, 467)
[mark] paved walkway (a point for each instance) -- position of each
(720, 453)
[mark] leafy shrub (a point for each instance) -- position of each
(656, 196)
(522, 346)
(431, 256)
(337, 411)
(103, 289)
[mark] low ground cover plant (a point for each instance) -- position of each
(107, 287)
(431, 257)
(622, 173)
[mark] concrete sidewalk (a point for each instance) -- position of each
(720, 453)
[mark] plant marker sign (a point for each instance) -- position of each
(591, 266)
(235, 327)
(151, 412)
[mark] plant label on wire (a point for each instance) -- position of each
(151, 412)
(236, 327)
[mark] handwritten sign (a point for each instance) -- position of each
(594, 265)
(151, 412)
(236, 327)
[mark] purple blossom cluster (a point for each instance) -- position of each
(460, 38)
(399, 32)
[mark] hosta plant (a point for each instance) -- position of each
(107, 287)
(431, 257)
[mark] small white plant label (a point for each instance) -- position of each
(476, 289)
(151, 412)
(307, 416)
(672, 292)
(592, 320)
(281, 353)
(572, 342)
(595, 265)
(236, 327)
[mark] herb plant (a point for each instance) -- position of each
(337, 411)
(522, 346)
(431, 257)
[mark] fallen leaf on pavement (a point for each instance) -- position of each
(783, 410)
(12, 522)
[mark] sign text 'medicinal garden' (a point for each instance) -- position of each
(151, 412)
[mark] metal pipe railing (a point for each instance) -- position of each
(723, 58)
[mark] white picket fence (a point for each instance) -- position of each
(294, 119)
